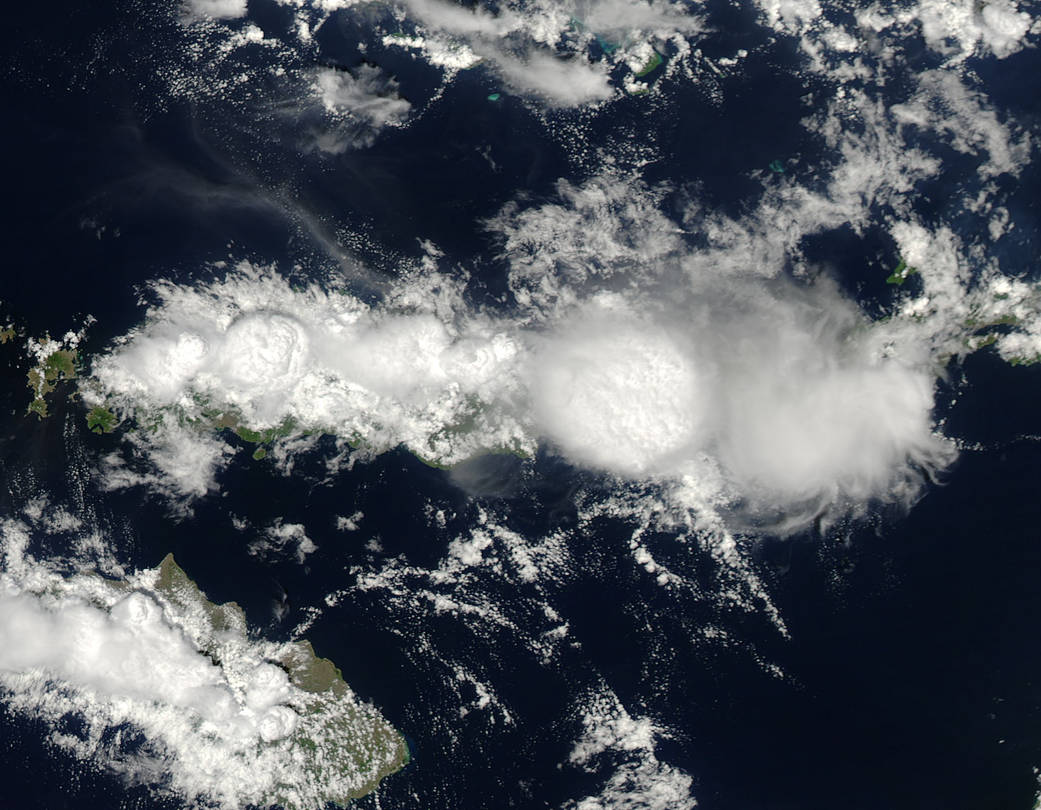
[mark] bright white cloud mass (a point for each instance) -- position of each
(216, 9)
(779, 395)
(620, 395)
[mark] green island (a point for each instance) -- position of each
(467, 423)
(1032, 360)
(44, 377)
(101, 420)
(650, 66)
(209, 416)
(230, 421)
(901, 273)
(104, 419)
(345, 747)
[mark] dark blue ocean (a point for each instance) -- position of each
(913, 683)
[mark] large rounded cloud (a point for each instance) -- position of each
(264, 349)
(618, 395)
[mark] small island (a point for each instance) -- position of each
(55, 366)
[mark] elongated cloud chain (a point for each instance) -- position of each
(783, 396)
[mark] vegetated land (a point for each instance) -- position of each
(344, 743)
(44, 377)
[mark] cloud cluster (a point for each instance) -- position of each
(561, 54)
(361, 103)
(619, 394)
(181, 462)
(130, 651)
(646, 347)
(535, 68)
(543, 48)
(568, 55)
(954, 29)
(640, 779)
(786, 389)
(280, 537)
(254, 349)
(216, 9)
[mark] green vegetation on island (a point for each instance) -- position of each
(44, 377)
(469, 422)
(265, 436)
(101, 420)
(901, 273)
(262, 438)
(174, 584)
(345, 746)
(216, 418)
(650, 65)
